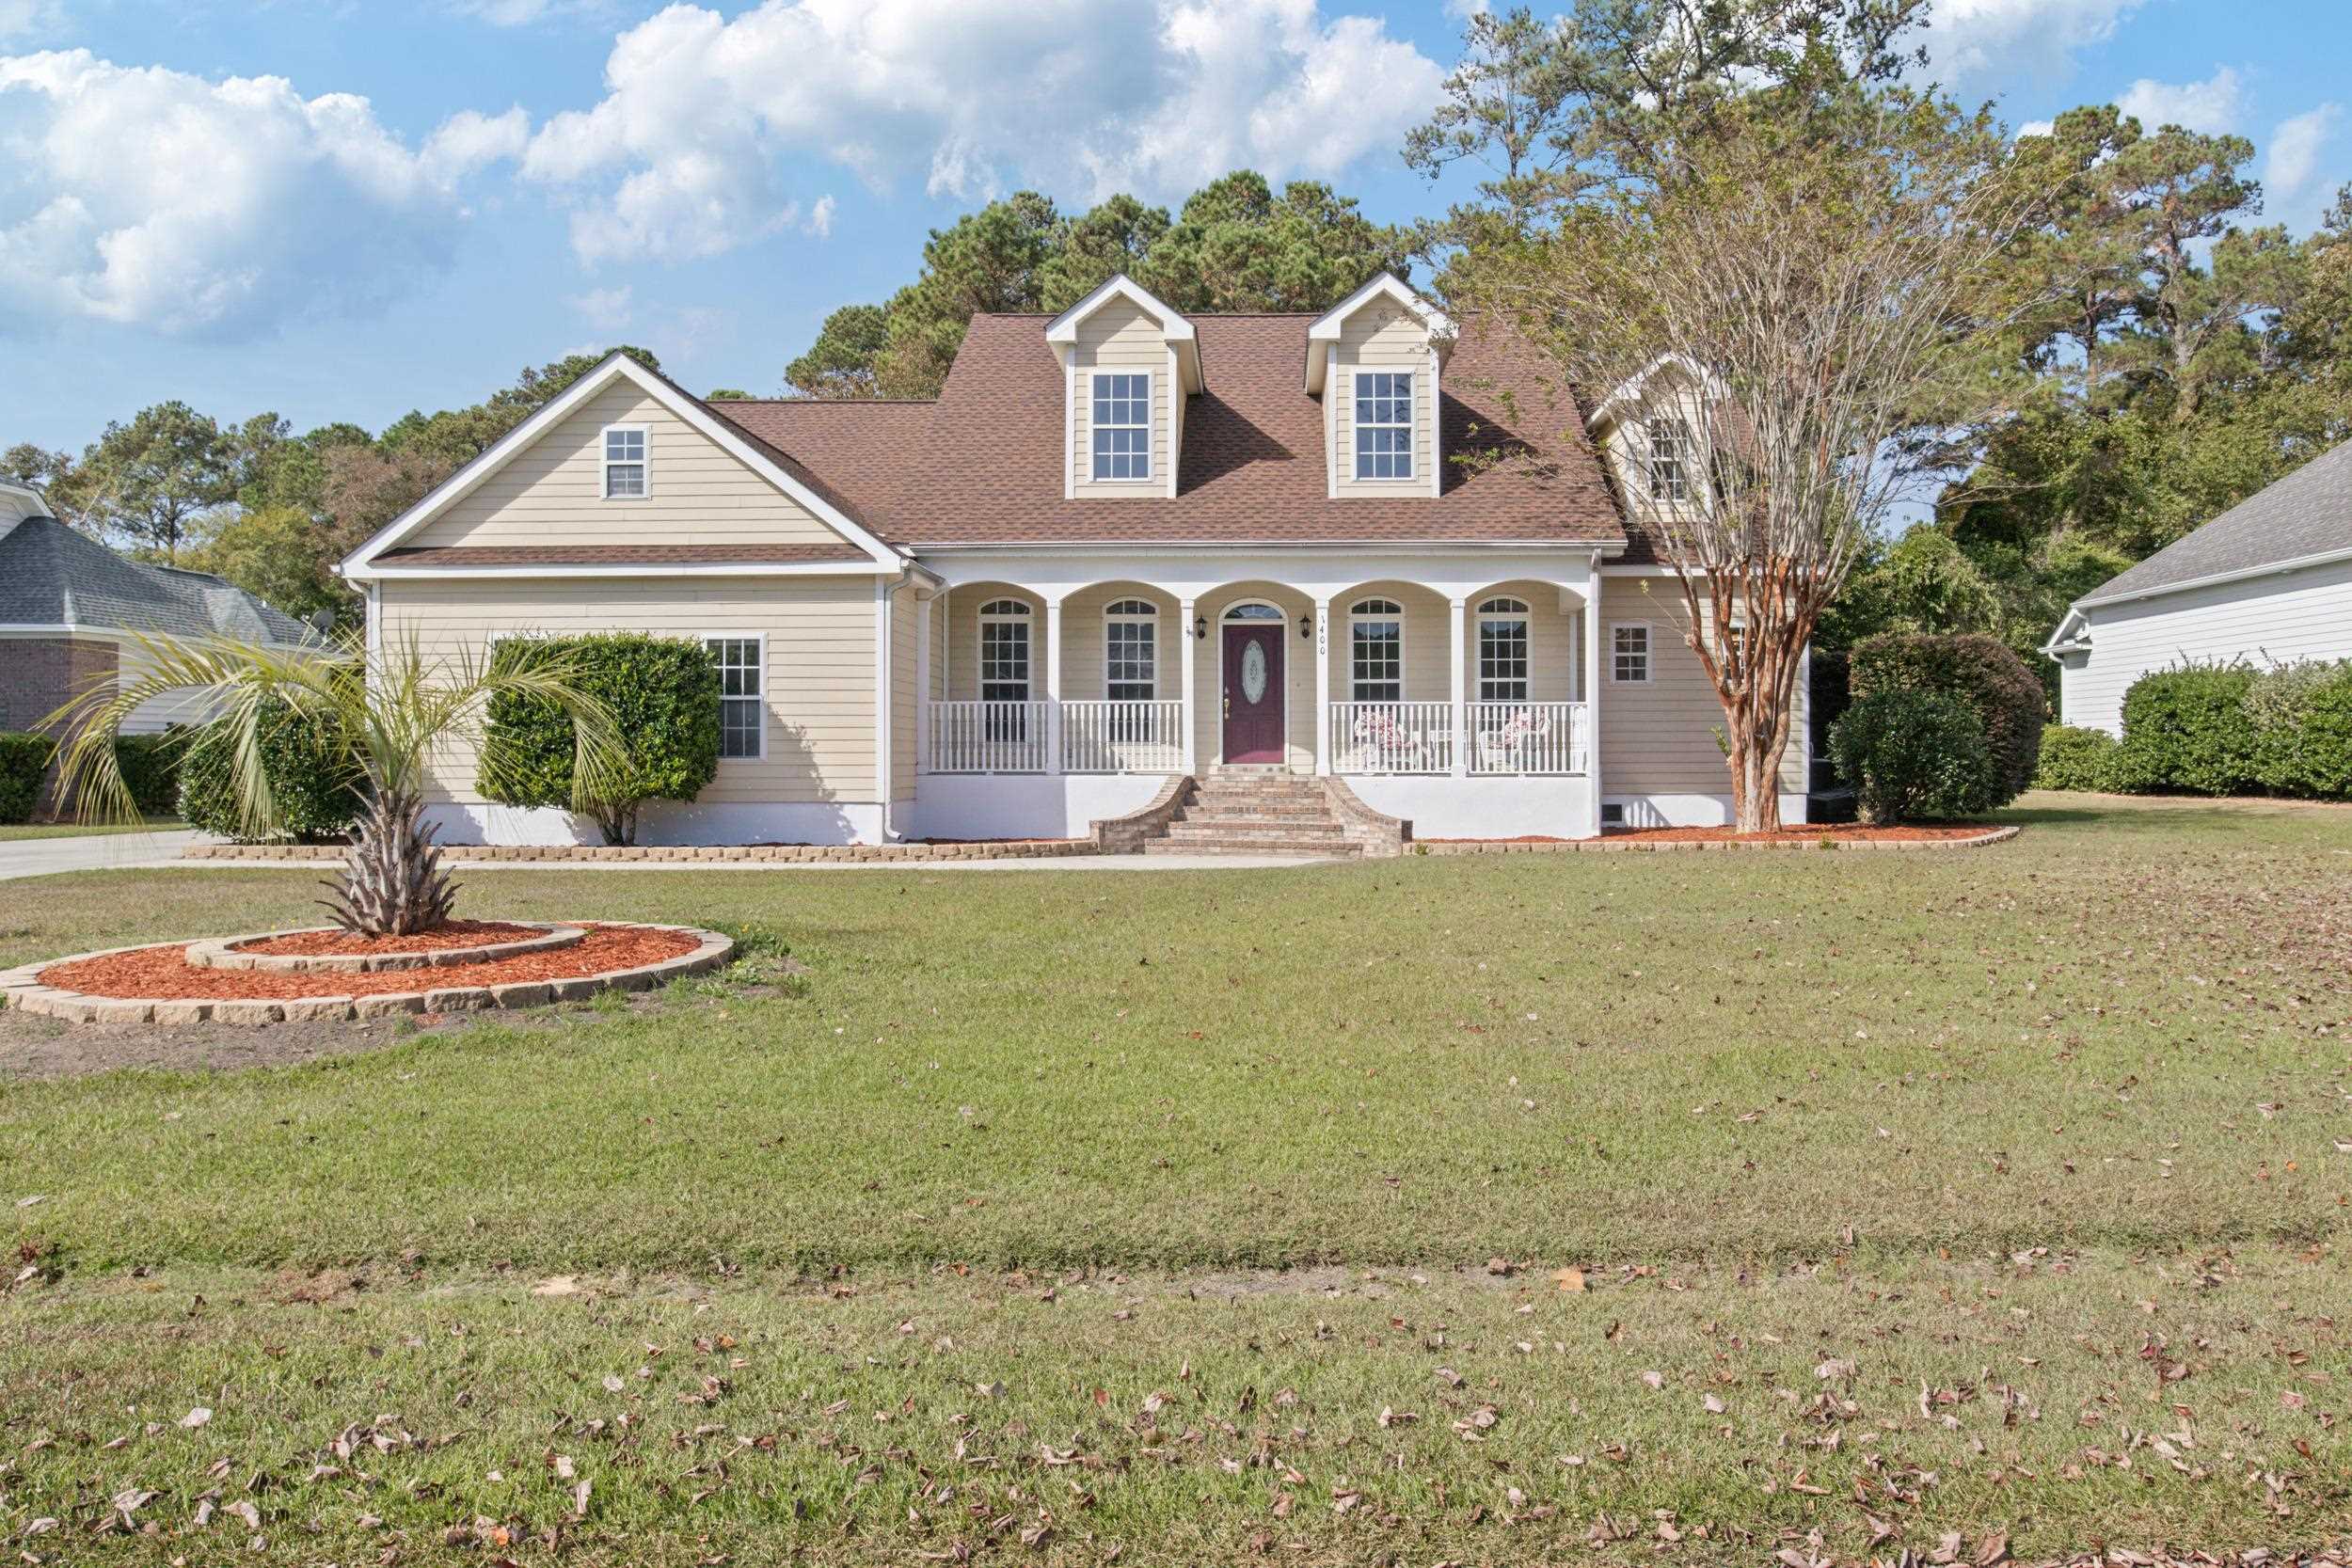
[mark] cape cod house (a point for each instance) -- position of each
(1215, 580)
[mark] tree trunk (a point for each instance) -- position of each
(392, 882)
(1755, 787)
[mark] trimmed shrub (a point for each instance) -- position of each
(2301, 715)
(2187, 729)
(150, 770)
(24, 763)
(1915, 756)
(2075, 759)
(310, 774)
(1981, 672)
(663, 694)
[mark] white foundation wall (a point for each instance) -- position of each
(1021, 805)
(1480, 807)
(1693, 810)
(668, 823)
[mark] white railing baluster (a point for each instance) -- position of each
(1392, 737)
(1528, 738)
(1096, 737)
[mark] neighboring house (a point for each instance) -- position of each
(2269, 581)
(1125, 547)
(70, 610)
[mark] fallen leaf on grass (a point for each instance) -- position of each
(196, 1417)
(1570, 1280)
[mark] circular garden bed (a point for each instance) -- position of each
(268, 976)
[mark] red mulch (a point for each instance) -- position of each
(455, 933)
(1844, 832)
(162, 974)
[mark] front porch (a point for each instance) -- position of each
(1465, 705)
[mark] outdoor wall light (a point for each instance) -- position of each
(1200, 628)
(1306, 625)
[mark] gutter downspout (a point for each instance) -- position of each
(885, 730)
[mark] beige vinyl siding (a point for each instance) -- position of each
(1428, 676)
(1383, 336)
(820, 675)
(552, 491)
(1085, 640)
(962, 640)
(906, 612)
(1121, 338)
(2267, 620)
(1298, 674)
(1660, 738)
(937, 607)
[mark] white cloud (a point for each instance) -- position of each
(2037, 128)
(19, 18)
(607, 309)
(152, 197)
(2295, 147)
(686, 155)
(1975, 39)
(2211, 106)
(820, 218)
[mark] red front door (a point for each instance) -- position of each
(1253, 692)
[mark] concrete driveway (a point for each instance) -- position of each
(42, 857)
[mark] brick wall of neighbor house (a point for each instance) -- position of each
(40, 674)
(1660, 738)
(819, 670)
(1119, 337)
(553, 493)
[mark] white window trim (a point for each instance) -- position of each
(1403, 627)
(604, 464)
(1687, 447)
(1411, 427)
(767, 714)
(1149, 426)
(1525, 615)
(1650, 653)
(1028, 618)
(1151, 619)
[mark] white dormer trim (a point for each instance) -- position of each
(617, 367)
(1634, 390)
(1062, 331)
(1384, 285)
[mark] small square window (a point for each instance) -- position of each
(626, 473)
(1628, 647)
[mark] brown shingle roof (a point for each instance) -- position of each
(619, 555)
(990, 468)
(857, 448)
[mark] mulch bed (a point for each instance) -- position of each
(1843, 832)
(456, 933)
(163, 974)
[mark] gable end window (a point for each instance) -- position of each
(1375, 651)
(1669, 460)
(627, 476)
(1502, 651)
(742, 717)
(1628, 652)
(1131, 629)
(1122, 425)
(1384, 424)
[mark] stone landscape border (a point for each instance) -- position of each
(1690, 845)
(223, 952)
(26, 994)
(622, 854)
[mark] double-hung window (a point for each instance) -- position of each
(1669, 460)
(1131, 651)
(1375, 651)
(1384, 424)
(627, 474)
(1502, 651)
(1004, 651)
(1628, 652)
(742, 716)
(1122, 425)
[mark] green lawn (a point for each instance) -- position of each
(1925, 1168)
(11, 832)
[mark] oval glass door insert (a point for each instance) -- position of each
(1253, 674)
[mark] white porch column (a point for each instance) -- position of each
(1460, 747)
(1590, 694)
(1053, 686)
(924, 609)
(1183, 634)
(1323, 685)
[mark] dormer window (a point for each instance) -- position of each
(1669, 459)
(1122, 425)
(626, 476)
(1384, 424)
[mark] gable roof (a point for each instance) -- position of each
(989, 469)
(52, 576)
(1175, 330)
(2302, 520)
(859, 445)
(1327, 328)
(779, 469)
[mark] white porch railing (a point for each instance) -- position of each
(988, 737)
(1122, 736)
(1392, 737)
(1527, 737)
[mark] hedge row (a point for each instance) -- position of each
(309, 773)
(24, 763)
(663, 695)
(2211, 729)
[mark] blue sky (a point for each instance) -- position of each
(347, 210)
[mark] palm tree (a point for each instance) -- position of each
(383, 715)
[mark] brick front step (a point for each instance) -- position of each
(1325, 846)
(1226, 811)
(1250, 833)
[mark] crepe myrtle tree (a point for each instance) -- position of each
(1783, 263)
(384, 714)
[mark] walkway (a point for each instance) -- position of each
(45, 857)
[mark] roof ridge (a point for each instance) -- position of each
(849, 402)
